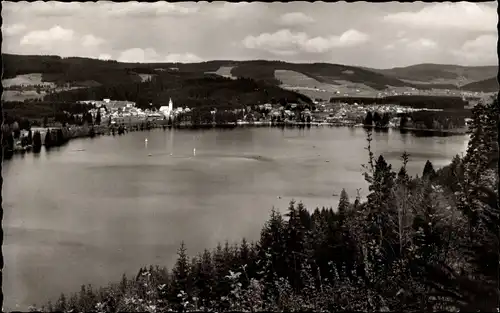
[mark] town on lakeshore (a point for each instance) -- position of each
(250, 157)
(108, 116)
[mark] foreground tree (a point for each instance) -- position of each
(428, 171)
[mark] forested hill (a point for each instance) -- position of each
(77, 70)
(189, 89)
(490, 84)
(470, 78)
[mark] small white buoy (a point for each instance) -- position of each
(146, 140)
(194, 151)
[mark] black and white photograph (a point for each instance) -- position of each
(250, 156)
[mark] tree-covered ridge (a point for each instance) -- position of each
(326, 73)
(187, 89)
(425, 243)
(486, 85)
(77, 69)
(447, 72)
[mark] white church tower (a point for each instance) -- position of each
(168, 111)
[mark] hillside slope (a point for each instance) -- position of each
(76, 71)
(441, 73)
(187, 89)
(487, 85)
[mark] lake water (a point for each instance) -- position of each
(96, 208)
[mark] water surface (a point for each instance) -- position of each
(89, 211)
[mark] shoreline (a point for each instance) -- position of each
(74, 132)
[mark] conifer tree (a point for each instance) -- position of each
(403, 121)
(221, 270)
(479, 200)
(205, 278)
(37, 142)
(343, 202)
(123, 284)
(98, 117)
(61, 304)
(381, 220)
(30, 137)
(428, 171)
(73, 303)
(295, 246)
(180, 276)
(48, 139)
(368, 119)
(377, 119)
(271, 253)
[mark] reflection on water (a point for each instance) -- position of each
(97, 208)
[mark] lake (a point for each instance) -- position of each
(89, 211)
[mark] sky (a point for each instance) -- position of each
(379, 35)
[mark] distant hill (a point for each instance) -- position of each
(80, 71)
(441, 73)
(187, 89)
(487, 85)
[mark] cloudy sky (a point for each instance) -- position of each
(368, 34)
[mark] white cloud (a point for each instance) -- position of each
(138, 55)
(182, 58)
(461, 15)
(233, 10)
(390, 46)
(104, 56)
(295, 18)
(46, 39)
(287, 42)
(422, 44)
(479, 51)
(415, 45)
(145, 9)
(91, 41)
(12, 30)
(42, 8)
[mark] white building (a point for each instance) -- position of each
(167, 111)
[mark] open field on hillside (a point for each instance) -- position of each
(32, 79)
(145, 77)
(453, 81)
(315, 89)
(224, 71)
(14, 95)
(28, 90)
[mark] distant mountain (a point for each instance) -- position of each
(487, 85)
(76, 70)
(441, 73)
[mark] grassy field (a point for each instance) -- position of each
(224, 71)
(32, 79)
(14, 95)
(145, 77)
(319, 90)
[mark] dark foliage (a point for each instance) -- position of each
(187, 89)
